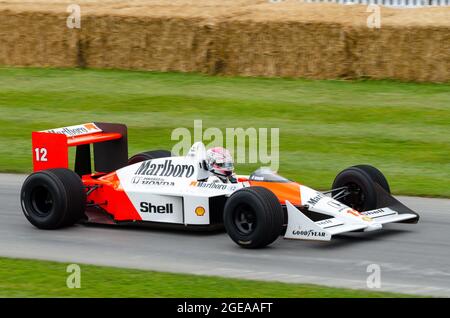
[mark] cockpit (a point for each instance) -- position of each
(266, 175)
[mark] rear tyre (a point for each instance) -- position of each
(376, 175)
(359, 190)
(253, 217)
(154, 154)
(53, 198)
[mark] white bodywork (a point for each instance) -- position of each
(173, 190)
(343, 218)
(176, 181)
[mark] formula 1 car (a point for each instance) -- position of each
(155, 187)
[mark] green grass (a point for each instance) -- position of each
(325, 126)
(31, 278)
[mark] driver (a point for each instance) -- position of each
(220, 164)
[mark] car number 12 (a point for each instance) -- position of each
(41, 154)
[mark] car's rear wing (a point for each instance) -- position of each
(110, 145)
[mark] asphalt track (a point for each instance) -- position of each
(413, 259)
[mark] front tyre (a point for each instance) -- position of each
(53, 198)
(355, 188)
(376, 175)
(253, 217)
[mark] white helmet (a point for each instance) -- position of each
(220, 163)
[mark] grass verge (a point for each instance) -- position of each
(32, 278)
(325, 126)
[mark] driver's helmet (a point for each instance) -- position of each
(220, 162)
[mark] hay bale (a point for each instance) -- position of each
(240, 37)
(36, 39)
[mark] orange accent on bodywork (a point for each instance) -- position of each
(90, 126)
(353, 212)
(111, 197)
(283, 190)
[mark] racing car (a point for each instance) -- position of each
(157, 188)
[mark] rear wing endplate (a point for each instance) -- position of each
(51, 147)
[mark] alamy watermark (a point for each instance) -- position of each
(74, 19)
(374, 278)
(250, 145)
(373, 20)
(74, 278)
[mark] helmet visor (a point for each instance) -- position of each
(225, 165)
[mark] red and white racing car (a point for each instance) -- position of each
(156, 188)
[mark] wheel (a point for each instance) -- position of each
(154, 154)
(253, 217)
(53, 198)
(355, 189)
(376, 176)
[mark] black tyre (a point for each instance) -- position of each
(376, 176)
(154, 154)
(53, 198)
(358, 189)
(253, 217)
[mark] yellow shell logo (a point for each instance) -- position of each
(200, 211)
(366, 218)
